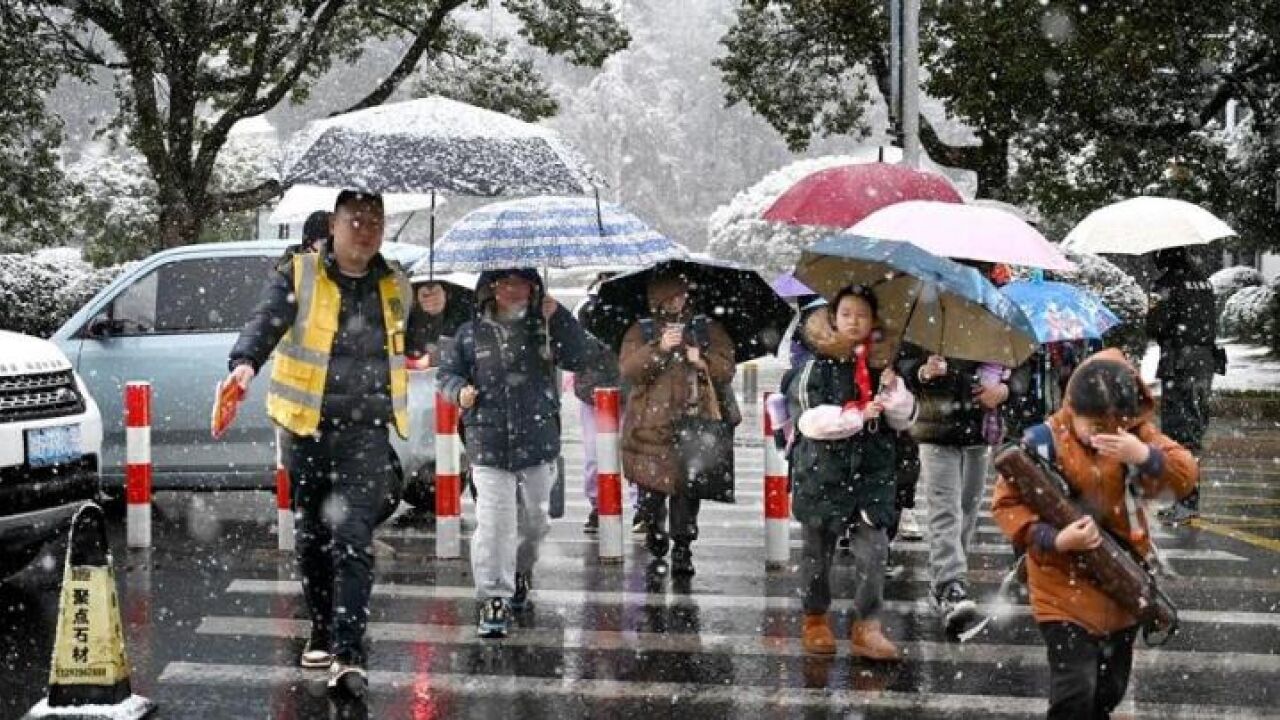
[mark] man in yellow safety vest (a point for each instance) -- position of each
(332, 318)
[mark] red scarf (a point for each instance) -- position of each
(861, 376)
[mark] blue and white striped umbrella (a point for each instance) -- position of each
(549, 232)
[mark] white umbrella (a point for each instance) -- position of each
(1141, 225)
(300, 201)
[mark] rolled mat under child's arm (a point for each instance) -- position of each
(1111, 564)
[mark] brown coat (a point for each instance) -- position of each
(660, 387)
(1061, 589)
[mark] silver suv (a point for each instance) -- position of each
(172, 320)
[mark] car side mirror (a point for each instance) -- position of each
(102, 327)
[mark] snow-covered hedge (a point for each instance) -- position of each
(737, 233)
(1228, 280)
(38, 292)
(1249, 315)
(1120, 292)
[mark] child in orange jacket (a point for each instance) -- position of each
(1101, 435)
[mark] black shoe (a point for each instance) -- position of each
(592, 525)
(682, 562)
(495, 619)
(639, 526)
(520, 600)
(657, 542)
(959, 613)
(348, 679)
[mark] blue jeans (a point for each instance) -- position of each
(338, 479)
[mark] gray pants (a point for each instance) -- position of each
(870, 548)
(954, 478)
(511, 520)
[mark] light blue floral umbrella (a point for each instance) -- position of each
(1060, 312)
(549, 232)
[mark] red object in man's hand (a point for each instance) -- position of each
(226, 401)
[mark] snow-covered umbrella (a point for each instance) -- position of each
(436, 145)
(839, 197)
(1141, 225)
(549, 232)
(300, 201)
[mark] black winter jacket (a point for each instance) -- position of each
(1183, 320)
(838, 479)
(949, 414)
(358, 385)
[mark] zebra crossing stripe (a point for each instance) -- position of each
(738, 541)
(491, 686)
(703, 601)
(703, 642)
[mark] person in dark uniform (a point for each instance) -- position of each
(1183, 320)
(332, 320)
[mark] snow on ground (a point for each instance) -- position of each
(1248, 368)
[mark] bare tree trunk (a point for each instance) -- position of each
(180, 221)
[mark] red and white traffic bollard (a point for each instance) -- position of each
(777, 500)
(137, 473)
(284, 501)
(609, 474)
(448, 481)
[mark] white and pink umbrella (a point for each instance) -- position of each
(964, 232)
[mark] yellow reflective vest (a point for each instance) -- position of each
(301, 360)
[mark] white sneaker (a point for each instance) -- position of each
(908, 527)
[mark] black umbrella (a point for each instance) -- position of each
(736, 297)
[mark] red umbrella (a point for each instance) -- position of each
(841, 196)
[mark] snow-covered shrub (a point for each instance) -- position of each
(1120, 292)
(39, 292)
(736, 231)
(1229, 281)
(115, 216)
(1249, 314)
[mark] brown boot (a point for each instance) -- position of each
(869, 642)
(817, 638)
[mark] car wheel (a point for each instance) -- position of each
(420, 491)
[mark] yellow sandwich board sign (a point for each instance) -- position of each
(90, 673)
(89, 646)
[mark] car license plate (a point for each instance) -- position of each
(53, 445)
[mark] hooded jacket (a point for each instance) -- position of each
(1061, 589)
(515, 421)
(841, 466)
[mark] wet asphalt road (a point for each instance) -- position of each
(213, 620)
